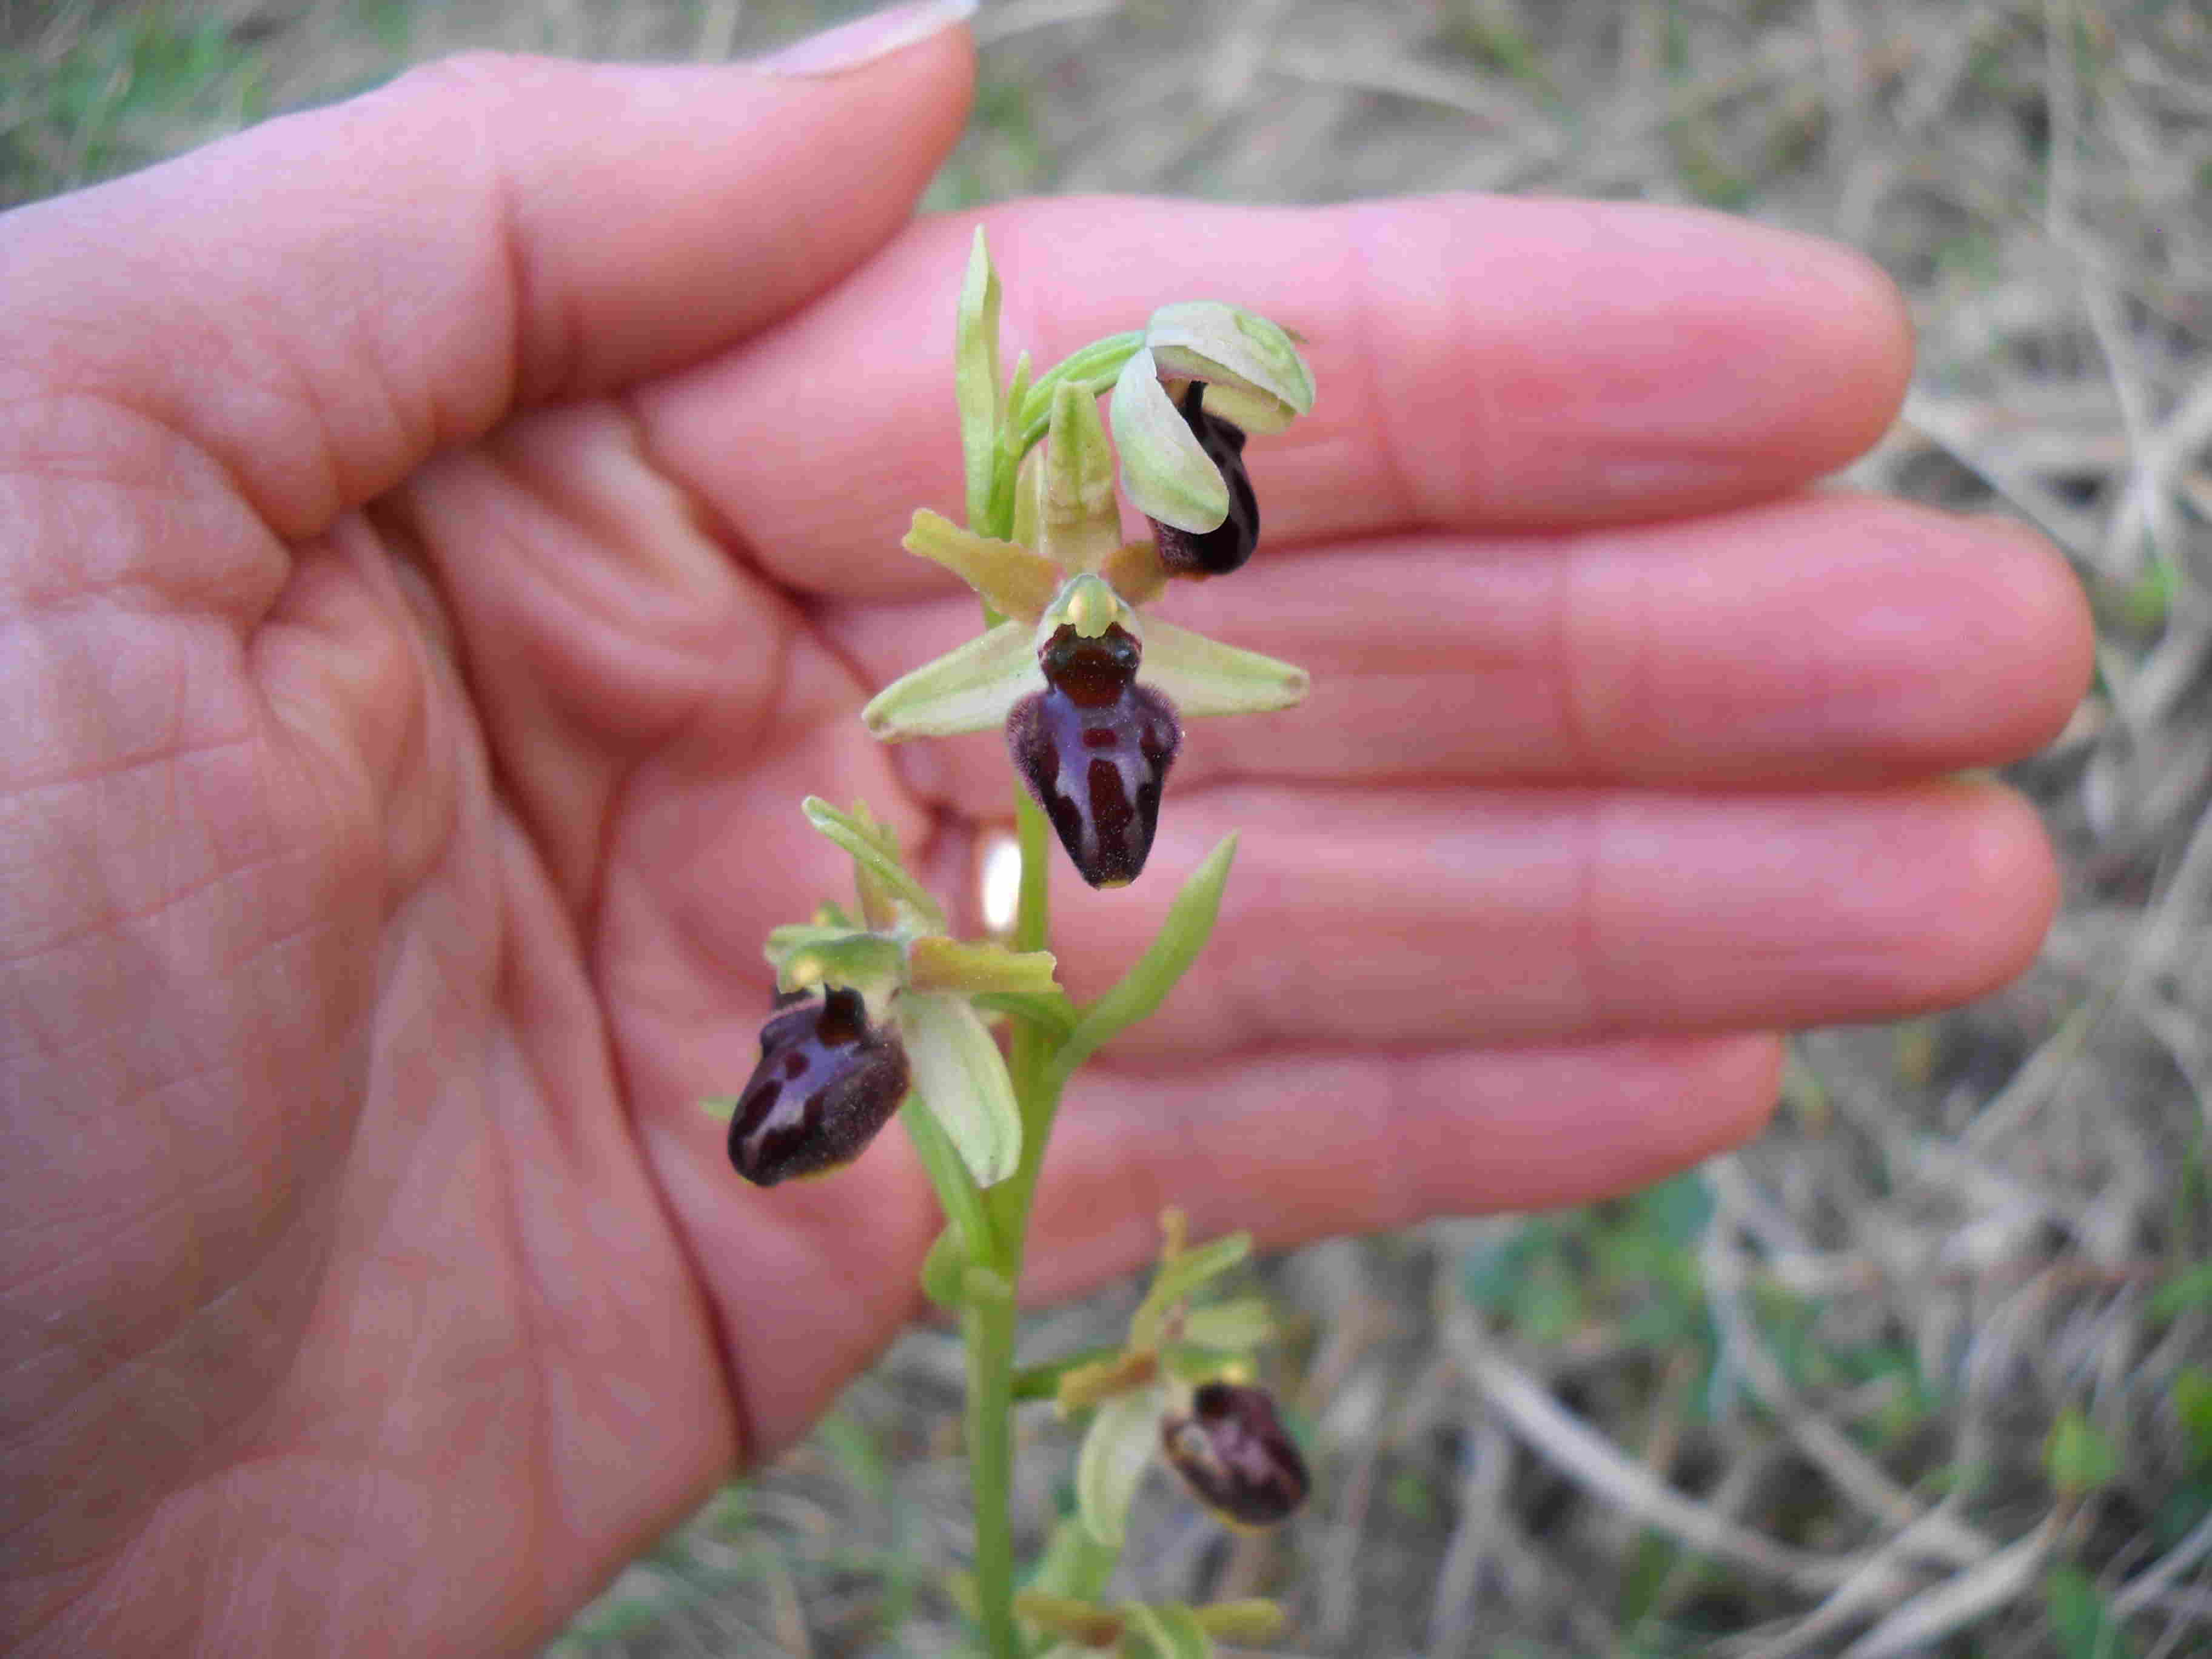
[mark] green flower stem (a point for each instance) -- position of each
(996, 1259)
(987, 1327)
(1095, 368)
(957, 1195)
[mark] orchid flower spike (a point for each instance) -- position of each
(866, 1013)
(1091, 693)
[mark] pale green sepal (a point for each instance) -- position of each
(962, 1080)
(935, 963)
(1202, 677)
(1253, 1620)
(1167, 472)
(970, 688)
(1116, 1451)
(1177, 1277)
(875, 855)
(1237, 1326)
(1254, 374)
(1183, 935)
(1171, 1631)
(976, 374)
(1015, 582)
(802, 936)
(1081, 525)
(869, 962)
(1089, 605)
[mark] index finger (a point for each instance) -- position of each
(1482, 362)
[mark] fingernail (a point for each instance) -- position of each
(850, 45)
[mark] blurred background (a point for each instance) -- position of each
(1927, 1370)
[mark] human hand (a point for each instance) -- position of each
(449, 533)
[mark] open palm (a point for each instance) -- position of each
(447, 534)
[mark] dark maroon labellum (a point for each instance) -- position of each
(1094, 748)
(1233, 1454)
(1218, 551)
(826, 1082)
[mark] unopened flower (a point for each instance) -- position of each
(1232, 1452)
(1208, 374)
(882, 1007)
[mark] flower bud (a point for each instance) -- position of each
(1232, 1453)
(826, 1083)
(1224, 548)
(1094, 748)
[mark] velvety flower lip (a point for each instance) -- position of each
(826, 1083)
(1094, 748)
(1233, 1453)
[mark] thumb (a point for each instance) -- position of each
(318, 303)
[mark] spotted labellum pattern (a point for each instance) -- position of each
(826, 1083)
(1229, 544)
(1094, 747)
(1232, 1452)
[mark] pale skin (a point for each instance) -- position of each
(447, 534)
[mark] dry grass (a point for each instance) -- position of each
(1929, 1369)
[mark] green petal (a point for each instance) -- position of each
(976, 373)
(875, 858)
(968, 690)
(962, 1079)
(1204, 677)
(1167, 472)
(804, 957)
(1015, 582)
(1179, 1276)
(1234, 1327)
(1080, 522)
(1116, 1451)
